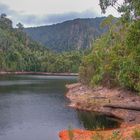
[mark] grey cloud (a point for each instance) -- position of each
(6, 9)
(68, 16)
(56, 18)
(33, 20)
(13, 15)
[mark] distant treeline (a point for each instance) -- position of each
(19, 53)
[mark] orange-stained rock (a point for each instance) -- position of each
(77, 134)
(125, 133)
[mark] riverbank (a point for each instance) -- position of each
(128, 133)
(37, 73)
(117, 103)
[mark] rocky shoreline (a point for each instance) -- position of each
(118, 103)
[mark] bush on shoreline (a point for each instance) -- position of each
(114, 60)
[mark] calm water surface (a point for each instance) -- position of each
(34, 108)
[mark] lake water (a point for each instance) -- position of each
(35, 108)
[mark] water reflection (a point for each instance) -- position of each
(34, 108)
(92, 120)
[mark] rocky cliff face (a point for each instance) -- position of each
(70, 35)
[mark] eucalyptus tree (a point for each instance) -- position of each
(130, 9)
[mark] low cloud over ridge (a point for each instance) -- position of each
(33, 20)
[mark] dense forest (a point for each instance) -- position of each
(115, 58)
(77, 34)
(19, 53)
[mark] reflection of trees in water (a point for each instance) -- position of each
(92, 120)
(34, 83)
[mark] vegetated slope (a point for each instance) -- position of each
(115, 58)
(19, 53)
(75, 34)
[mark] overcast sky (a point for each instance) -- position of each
(46, 12)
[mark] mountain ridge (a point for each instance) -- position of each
(77, 34)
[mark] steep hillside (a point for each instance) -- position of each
(70, 35)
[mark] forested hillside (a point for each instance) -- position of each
(76, 34)
(19, 53)
(115, 57)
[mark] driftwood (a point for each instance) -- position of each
(122, 106)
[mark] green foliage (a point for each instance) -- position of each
(115, 59)
(19, 53)
(64, 62)
(129, 8)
